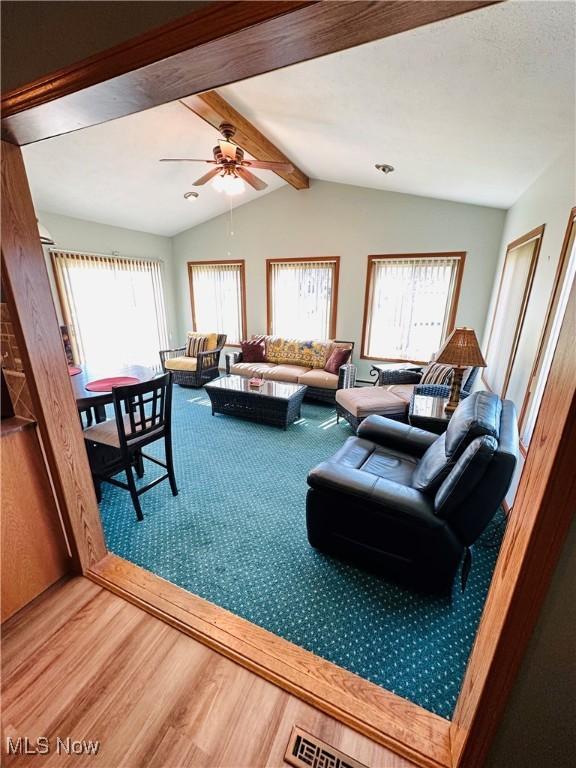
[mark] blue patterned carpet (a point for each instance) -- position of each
(236, 535)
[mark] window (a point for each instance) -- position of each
(114, 309)
(410, 305)
(303, 297)
(218, 297)
(510, 352)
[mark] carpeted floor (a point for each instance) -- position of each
(236, 535)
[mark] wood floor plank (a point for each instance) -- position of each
(377, 713)
(153, 696)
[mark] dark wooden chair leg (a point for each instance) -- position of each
(98, 489)
(139, 464)
(170, 467)
(133, 492)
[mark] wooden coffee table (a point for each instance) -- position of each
(276, 403)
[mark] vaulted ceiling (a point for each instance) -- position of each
(471, 109)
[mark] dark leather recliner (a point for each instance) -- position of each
(408, 503)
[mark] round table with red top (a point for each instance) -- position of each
(86, 399)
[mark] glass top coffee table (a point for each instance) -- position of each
(275, 402)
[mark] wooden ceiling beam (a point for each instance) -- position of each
(215, 110)
(202, 51)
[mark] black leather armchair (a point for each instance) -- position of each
(408, 503)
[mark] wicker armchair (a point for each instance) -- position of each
(206, 367)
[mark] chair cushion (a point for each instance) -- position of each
(250, 369)
(289, 373)
(477, 415)
(339, 356)
(436, 373)
(363, 401)
(253, 350)
(183, 363)
(382, 462)
(318, 378)
(107, 434)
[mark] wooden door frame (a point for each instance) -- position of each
(542, 514)
(535, 236)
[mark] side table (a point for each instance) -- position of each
(427, 412)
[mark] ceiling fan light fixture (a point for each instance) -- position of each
(229, 183)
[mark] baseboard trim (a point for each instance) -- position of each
(400, 725)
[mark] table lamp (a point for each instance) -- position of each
(460, 350)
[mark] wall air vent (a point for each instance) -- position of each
(306, 751)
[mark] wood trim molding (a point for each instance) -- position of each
(306, 259)
(215, 110)
(538, 524)
(25, 279)
(384, 717)
(535, 235)
(242, 263)
(454, 299)
(548, 318)
(202, 51)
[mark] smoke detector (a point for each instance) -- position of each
(384, 167)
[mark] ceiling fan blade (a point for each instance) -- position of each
(184, 160)
(269, 165)
(228, 149)
(254, 181)
(206, 177)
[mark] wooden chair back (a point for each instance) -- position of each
(143, 411)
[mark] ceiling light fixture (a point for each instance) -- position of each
(229, 183)
(191, 195)
(384, 167)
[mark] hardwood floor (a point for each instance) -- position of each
(83, 663)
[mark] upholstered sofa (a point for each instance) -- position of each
(296, 361)
(392, 393)
(196, 362)
(411, 504)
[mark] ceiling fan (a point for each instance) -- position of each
(231, 169)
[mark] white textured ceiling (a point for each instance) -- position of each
(471, 109)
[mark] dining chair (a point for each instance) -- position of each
(142, 415)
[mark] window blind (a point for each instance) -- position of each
(302, 298)
(217, 295)
(113, 307)
(409, 306)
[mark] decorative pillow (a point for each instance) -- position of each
(338, 357)
(253, 350)
(211, 339)
(195, 345)
(436, 373)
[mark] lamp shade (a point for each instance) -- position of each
(461, 349)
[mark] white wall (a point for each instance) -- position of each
(79, 235)
(548, 201)
(351, 222)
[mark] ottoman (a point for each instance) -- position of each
(356, 404)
